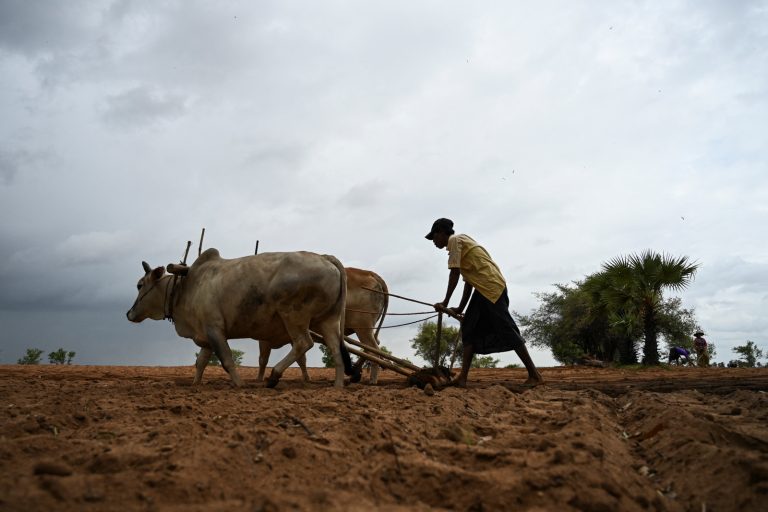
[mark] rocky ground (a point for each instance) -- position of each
(79, 438)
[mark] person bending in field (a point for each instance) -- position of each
(487, 326)
(678, 353)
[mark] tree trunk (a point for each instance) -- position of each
(651, 349)
(627, 354)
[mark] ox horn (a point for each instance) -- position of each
(147, 268)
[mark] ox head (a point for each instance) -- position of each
(150, 301)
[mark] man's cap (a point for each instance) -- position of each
(442, 225)
(699, 333)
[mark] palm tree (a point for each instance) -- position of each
(631, 287)
(606, 309)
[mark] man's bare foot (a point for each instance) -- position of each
(538, 380)
(458, 382)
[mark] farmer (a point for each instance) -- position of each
(487, 326)
(700, 346)
(675, 353)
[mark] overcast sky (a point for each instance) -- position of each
(558, 134)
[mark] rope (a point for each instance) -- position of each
(442, 310)
(393, 314)
(409, 323)
(391, 326)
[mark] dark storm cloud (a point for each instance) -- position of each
(70, 274)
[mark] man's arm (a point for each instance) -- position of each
(453, 280)
(464, 298)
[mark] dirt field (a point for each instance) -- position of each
(78, 438)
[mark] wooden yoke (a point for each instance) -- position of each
(177, 269)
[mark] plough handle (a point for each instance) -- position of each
(401, 362)
(381, 362)
(391, 362)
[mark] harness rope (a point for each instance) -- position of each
(169, 301)
(391, 326)
(393, 314)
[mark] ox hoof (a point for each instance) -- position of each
(357, 375)
(272, 381)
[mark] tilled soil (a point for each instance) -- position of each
(85, 438)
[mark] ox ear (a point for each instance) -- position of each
(177, 270)
(147, 268)
(158, 272)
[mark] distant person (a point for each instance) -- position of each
(678, 353)
(700, 346)
(487, 326)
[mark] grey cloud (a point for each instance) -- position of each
(733, 273)
(66, 41)
(32, 27)
(92, 248)
(50, 288)
(9, 166)
(69, 274)
(277, 157)
(142, 105)
(366, 195)
(13, 162)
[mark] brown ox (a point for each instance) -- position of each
(268, 296)
(364, 315)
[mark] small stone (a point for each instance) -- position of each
(429, 390)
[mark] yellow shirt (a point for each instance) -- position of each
(476, 266)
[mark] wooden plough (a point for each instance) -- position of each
(436, 376)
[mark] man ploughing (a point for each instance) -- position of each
(487, 326)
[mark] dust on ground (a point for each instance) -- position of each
(79, 438)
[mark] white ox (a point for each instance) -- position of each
(364, 315)
(267, 296)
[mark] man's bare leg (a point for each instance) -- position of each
(466, 364)
(534, 377)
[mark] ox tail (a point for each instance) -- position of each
(384, 289)
(341, 304)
